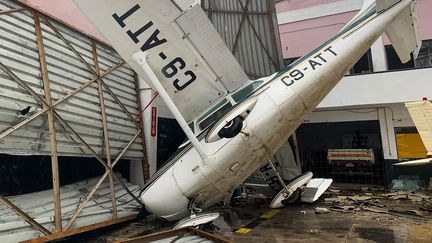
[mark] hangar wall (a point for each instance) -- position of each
(63, 93)
(374, 91)
(66, 73)
(249, 29)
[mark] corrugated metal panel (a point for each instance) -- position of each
(39, 206)
(249, 28)
(66, 72)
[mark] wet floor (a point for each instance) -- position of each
(250, 220)
(300, 223)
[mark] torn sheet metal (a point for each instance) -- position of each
(40, 206)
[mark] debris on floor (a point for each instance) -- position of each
(416, 205)
(406, 183)
(358, 214)
(342, 214)
(319, 210)
(188, 234)
(314, 189)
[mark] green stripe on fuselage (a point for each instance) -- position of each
(305, 57)
(316, 50)
(185, 148)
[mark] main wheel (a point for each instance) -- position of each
(293, 198)
(232, 128)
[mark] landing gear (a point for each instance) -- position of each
(290, 193)
(295, 196)
(196, 218)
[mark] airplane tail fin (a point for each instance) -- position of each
(403, 32)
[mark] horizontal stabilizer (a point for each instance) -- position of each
(314, 189)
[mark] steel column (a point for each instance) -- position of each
(51, 126)
(48, 106)
(89, 196)
(145, 163)
(105, 129)
(69, 45)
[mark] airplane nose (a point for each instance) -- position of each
(165, 199)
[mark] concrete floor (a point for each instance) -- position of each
(250, 220)
(289, 225)
(407, 220)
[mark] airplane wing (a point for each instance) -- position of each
(421, 113)
(415, 162)
(186, 53)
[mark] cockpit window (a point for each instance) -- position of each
(246, 91)
(215, 115)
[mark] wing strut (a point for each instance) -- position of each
(141, 59)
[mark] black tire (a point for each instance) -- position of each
(232, 128)
(293, 198)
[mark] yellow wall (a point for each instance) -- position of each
(410, 146)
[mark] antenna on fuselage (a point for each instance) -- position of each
(141, 59)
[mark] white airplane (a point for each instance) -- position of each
(421, 113)
(234, 125)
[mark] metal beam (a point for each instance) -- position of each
(68, 128)
(89, 196)
(11, 10)
(259, 38)
(86, 84)
(121, 104)
(237, 38)
(69, 45)
(144, 163)
(271, 11)
(234, 11)
(77, 231)
(71, 130)
(51, 126)
(105, 129)
(23, 215)
(89, 67)
(42, 101)
(48, 107)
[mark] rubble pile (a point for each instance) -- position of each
(416, 205)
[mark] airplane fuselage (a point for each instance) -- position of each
(282, 105)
